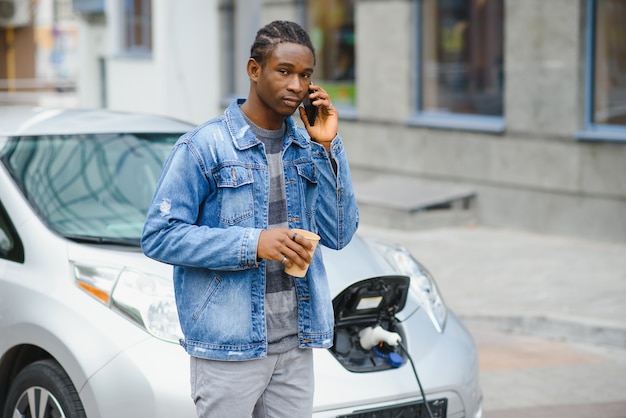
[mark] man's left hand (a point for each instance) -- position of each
(325, 127)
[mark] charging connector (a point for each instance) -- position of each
(391, 357)
(371, 336)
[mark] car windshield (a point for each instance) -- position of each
(93, 187)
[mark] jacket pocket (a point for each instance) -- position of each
(212, 287)
(307, 174)
(235, 191)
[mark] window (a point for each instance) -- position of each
(461, 63)
(606, 70)
(89, 186)
(137, 26)
(331, 27)
(10, 244)
(88, 6)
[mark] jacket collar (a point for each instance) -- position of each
(242, 135)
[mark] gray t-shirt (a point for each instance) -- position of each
(281, 310)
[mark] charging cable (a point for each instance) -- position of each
(370, 337)
(430, 413)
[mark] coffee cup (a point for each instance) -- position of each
(295, 269)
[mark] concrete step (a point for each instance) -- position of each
(403, 202)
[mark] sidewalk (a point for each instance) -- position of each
(565, 288)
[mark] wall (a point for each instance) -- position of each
(92, 60)
(180, 78)
(535, 175)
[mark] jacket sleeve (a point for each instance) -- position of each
(337, 219)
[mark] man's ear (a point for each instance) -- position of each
(254, 69)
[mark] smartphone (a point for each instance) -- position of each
(311, 111)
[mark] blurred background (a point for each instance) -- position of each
(502, 113)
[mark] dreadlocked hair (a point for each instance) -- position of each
(272, 34)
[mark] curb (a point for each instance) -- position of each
(554, 328)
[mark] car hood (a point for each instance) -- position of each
(358, 261)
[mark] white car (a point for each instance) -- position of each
(88, 324)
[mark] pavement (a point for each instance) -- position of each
(513, 280)
(548, 314)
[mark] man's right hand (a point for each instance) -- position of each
(279, 244)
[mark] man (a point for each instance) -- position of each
(229, 195)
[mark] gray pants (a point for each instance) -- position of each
(280, 385)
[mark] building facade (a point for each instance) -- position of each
(38, 51)
(524, 102)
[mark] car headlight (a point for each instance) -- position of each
(423, 285)
(145, 299)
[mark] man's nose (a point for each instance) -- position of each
(295, 84)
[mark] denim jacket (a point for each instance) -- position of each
(207, 213)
